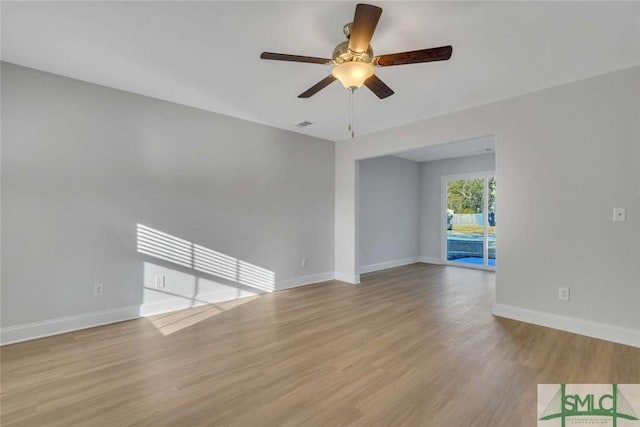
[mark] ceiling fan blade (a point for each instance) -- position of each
(415, 56)
(364, 24)
(378, 87)
(317, 87)
(294, 58)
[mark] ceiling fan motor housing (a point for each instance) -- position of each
(341, 53)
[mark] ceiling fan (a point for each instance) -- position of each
(353, 60)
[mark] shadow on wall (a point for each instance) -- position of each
(168, 289)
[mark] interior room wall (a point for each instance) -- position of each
(388, 209)
(565, 156)
(431, 174)
(231, 208)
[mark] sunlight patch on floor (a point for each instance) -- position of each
(175, 321)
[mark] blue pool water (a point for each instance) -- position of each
(467, 248)
(473, 260)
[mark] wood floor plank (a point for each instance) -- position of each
(410, 346)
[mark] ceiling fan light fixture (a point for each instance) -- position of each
(352, 74)
(353, 59)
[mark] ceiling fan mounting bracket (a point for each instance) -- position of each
(347, 30)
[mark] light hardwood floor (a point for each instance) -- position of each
(411, 346)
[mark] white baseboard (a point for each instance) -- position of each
(387, 264)
(430, 260)
(45, 328)
(348, 278)
(569, 324)
(305, 280)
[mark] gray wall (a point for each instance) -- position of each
(430, 196)
(83, 164)
(388, 209)
(565, 156)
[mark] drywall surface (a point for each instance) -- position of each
(565, 157)
(388, 209)
(431, 213)
(230, 207)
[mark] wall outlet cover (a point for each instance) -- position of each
(619, 214)
(98, 290)
(159, 282)
(563, 294)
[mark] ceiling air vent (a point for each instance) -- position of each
(304, 124)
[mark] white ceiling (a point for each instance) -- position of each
(467, 147)
(205, 54)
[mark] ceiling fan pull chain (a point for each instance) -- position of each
(351, 112)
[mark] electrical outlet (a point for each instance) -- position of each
(563, 294)
(305, 262)
(160, 282)
(98, 290)
(619, 214)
